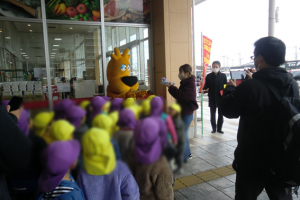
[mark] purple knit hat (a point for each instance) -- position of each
(23, 122)
(116, 104)
(62, 107)
(97, 103)
(75, 115)
(156, 107)
(148, 145)
(127, 119)
(57, 159)
(5, 103)
(106, 98)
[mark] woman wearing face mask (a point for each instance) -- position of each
(214, 83)
(186, 98)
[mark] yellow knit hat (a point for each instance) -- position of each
(151, 97)
(84, 104)
(128, 102)
(136, 109)
(176, 106)
(61, 130)
(98, 153)
(104, 122)
(146, 107)
(115, 118)
(41, 122)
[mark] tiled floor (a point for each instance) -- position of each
(212, 151)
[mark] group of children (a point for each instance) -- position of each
(102, 149)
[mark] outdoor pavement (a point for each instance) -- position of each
(210, 152)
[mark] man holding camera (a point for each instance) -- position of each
(214, 84)
(256, 105)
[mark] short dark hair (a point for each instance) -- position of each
(186, 68)
(271, 49)
(216, 62)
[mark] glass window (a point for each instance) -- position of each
(138, 45)
(76, 64)
(22, 64)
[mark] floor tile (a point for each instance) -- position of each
(197, 191)
(217, 195)
(263, 196)
(221, 183)
(219, 161)
(231, 178)
(179, 196)
(178, 185)
(229, 191)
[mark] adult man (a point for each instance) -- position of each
(214, 84)
(255, 104)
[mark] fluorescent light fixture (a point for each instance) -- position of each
(29, 24)
(56, 45)
(52, 57)
(30, 30)
(53, 53)
(54, 49)
(7, 38)
(21, 49)
(71, 28)
(0, 30)
(57, 39)
(23, 53)
(32, 37)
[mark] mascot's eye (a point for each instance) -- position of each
(123, 67)
(128, 67)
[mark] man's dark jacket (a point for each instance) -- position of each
(215, 83)
(256, 106)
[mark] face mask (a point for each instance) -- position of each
(216, 70)
(181, 76)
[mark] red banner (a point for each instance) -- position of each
(206, 56)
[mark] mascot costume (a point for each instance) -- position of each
(121, 84)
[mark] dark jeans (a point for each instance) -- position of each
(215, 126)
(249, 189)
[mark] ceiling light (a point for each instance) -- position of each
(21, 49)
(23, 53)
(32, 37)
(53, 53)
(57, 39)
(30, 30)
(29, 24)
(54, 49)
(0, 30)
(27, 57)
(56, 45)
(71, 28)
(7, 38)
(52, 57)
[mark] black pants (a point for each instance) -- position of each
(215, 126)
(248, 189)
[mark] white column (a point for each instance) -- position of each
(272, 18)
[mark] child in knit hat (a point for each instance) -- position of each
(175, 113)
(55, 181)
(116, 104)
(157, 111)
(124, 136)
(41, 125)
(146, 107)
(104, 177)
(149, 166)
(103, 121)
(77, 117)
(98, 105)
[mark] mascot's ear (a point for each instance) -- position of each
(117, 52)
(128, 57)
(125, 52)
(113, 56)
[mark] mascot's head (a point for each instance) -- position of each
(118, 73)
